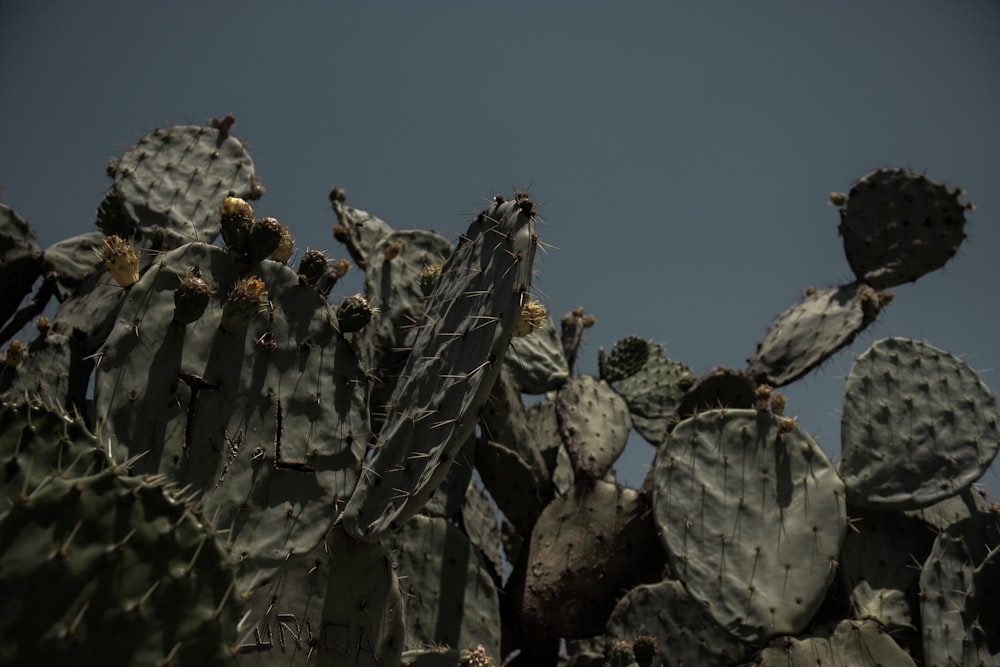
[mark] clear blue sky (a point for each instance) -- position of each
(682, 152)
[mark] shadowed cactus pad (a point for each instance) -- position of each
(907, 403)
(752, 515)
(898, 225)
(128, 573)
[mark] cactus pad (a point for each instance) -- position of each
(909, 404)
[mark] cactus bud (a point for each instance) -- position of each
(838, 198)
(15, 353)
(340, 268)
(283, 252)
(236, 217)
(265, 237)
(778, 403)
(191, 297)
(353, 313)
(533, 316)
(120, 259)
(762, 396)
(429, 277)
(43, 325)
(392, 252)
(247, 298)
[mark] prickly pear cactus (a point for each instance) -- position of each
(906, 400)
(898, 225)
(178, 177)
(128, 571)
(812, 330)
(260, 408)
(456, 357)
(752, 516)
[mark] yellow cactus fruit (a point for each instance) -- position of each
(120, 259)
(533, 316)
(15, 353)
(283, 252)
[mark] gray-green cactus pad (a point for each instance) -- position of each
(918, 425)
(812, 330)
(586, 548)
(268, 423)
(654, 392)
(337, 605)
(36, 443)
(20, 260)
(456, 358)
(450, 596)
(112, 570)
(178, 178)
(537, 361)
(593, 423)
(898, 225)
(685, 633)
(752, 515)
(855, 643)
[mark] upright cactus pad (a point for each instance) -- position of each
(20, 260)
(908, 403)
(898, 225)
(267, 419)
(178, 177)
(862, 643)
(753, 517)
(456, 358)
(593, 423)
(654, 392)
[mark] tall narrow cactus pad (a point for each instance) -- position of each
(537, 361)
(456, 358)
(266, 418)
(812, 330)
(907, 401)
(752, 515)
(128, 573)
(898, 225)
(178, 177)
(450, 596)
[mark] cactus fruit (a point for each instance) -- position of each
(266, 235)
(191, 297)
(235, 221)
(752, 516)
(247, 299)
(283, 253)
(898, 225)
(354, 313)
(905, 400)
(120, 259)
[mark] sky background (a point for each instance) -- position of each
(681, 153)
